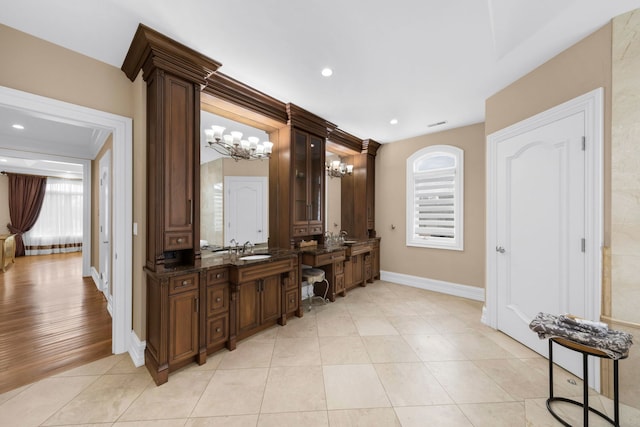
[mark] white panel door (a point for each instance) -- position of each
(105, 227)
(245, 209)
(540, 230)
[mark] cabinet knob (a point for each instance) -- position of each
(184, 283)
(218, 329)
(219, 276)
(291, 301)
(218, 299)
(180, 240)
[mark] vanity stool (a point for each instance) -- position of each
(313, 276)
(586, 351)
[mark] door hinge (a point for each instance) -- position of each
(583, 245)
(584, 143)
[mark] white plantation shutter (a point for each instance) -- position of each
(434, 199)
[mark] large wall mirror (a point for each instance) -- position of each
(234, 197)
(333, 194)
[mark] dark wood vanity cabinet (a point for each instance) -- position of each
(358, 264)
(183, 327)
(258, 303)
(333, 264)
(358, 193)
(375, 258)
(173, 153)
(259, 291)
(217, 306)
(296, 179)
(173, 307)
(308, 155)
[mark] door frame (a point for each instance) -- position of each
(592, 105)
(122, 189)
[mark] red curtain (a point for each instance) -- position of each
(26, 194)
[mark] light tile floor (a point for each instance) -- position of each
(386, 355)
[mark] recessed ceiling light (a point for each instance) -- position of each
(393, 121)
(17, 126)
(327, 72)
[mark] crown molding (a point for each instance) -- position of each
(150, 50)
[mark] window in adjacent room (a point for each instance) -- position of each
(435, 197)
(58, 228)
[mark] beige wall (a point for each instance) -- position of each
(42, 68)
(37, 66)
(580, 69)
(4, 204)
(465, 267)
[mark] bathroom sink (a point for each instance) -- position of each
(254, 257)
(350, 242)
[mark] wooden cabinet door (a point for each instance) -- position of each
(358, 269)
(178, 174)
(348, 273)
(270, 296)
(183, 326)
(248, 306)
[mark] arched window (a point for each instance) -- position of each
(435, 214)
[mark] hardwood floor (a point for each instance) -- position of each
(51, 319)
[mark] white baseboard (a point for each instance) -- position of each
(96, 278)
(136, 349)
(464, 291)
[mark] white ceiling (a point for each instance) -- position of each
(419, 61)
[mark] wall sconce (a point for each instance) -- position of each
(337, 169)
(232, 145)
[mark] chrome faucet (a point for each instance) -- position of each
(246, 245)
(233, 247)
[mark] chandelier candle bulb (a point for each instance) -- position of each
(232, 144)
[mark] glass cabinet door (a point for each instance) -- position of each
(308, 181)
(316, 179)
(300, 204)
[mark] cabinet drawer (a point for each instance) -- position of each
(291, 301)
(217, 300)
(292, 281)
(183, 283)
(217, 276)
(300, 230)
(244, 274)
(315, 229)
(217, 330)
(174, 241)
(330, 258)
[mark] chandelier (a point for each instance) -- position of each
(337, 169)
(232, 144)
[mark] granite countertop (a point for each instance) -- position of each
(320, 249)
(224, 259)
